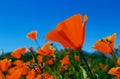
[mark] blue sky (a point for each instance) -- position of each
(18, 17)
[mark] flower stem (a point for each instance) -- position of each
(85, 61)
(37, 43)
(35, 61)
(114, 57)
(34, 57)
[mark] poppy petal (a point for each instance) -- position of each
(72, 28)
(54, 35)
(102, 47)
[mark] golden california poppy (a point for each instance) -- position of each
(32, 35)
(65, 60)
(65, 67)
(118, 61)
(119, 47)
(4, 64)
(16, 74)
(76, 57)
(50, 61)
(115, 71)
(11, 70)
(38, 77)
(105, 68)
(48, 76)
(18, 63)
(70, 33)
(105, 45)
(31, 75)
(24, 70)
(18, 52)
(46, 50)
(1, 75)
(40, 58)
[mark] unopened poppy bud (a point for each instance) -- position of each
(85, 18)
(31, 48)
(32, 35)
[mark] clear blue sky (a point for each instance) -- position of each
(18, 17)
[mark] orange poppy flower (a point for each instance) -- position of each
(32, 35)
(31, 75)
(70, 33)
(40, 58)
(7, 76)
(23, 50)
(50, 61)
(17, 74)
(119, 47)
(24, 70)
(18, 52)
(38, 77)
(105, 68)
(118, 61)
(101, 65)
(106, 45)
(65, 67)
(115, 71)
(65, 60)
(48, 76)
(18, 63)
(11, 70)
(77, 57)
(4, 64)
(46, 50)
(1, 75)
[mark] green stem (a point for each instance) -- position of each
(34, 57)
(37, 43)
(37, 63)
(85, 61)
(114, 57)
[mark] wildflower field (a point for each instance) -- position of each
(69, 63)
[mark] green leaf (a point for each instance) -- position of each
(83, 72)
